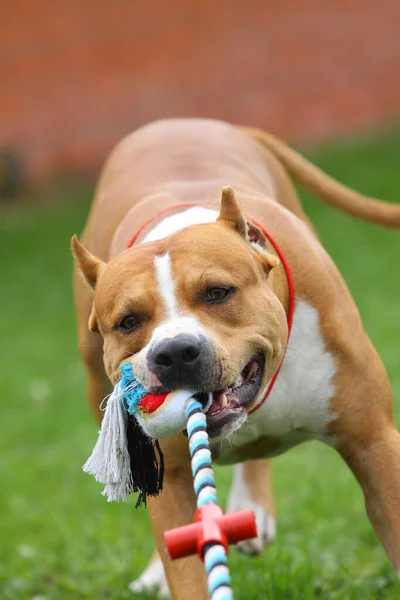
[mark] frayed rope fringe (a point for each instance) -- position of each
(110, 461)
(124, 458)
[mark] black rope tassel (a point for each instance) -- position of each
(147, 463)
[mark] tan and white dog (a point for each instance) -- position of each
(201, 299)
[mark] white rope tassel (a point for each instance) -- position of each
(110, 461)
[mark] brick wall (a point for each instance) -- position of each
(78, 75)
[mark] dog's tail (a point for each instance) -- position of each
(326, 188)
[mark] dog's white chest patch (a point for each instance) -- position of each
(297, 408)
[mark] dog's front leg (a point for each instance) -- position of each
(174, 507)
(251, 489)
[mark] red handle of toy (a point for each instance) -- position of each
(182, 541)
(211, 525)
(239, 526)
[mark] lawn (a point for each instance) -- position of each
(59, 539)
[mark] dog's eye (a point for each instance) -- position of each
(218, 294)
(128, 323)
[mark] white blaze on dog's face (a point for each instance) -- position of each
(193, 310)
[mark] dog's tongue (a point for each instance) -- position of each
(151, 402)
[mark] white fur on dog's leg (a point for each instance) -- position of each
(152, 580)
(239, 499)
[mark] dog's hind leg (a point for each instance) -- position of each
(251, 488)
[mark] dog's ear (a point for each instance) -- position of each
(267, 259)
(257, 241)
(87, 263)
(231, 213)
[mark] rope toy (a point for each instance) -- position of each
(212, 531)
(127, 458)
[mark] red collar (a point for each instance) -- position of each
(288, 275)
(290, 309)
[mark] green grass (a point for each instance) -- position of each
(59, 539)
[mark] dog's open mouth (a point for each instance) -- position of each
(226, 411)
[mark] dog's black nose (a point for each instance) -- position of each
(176, 360)
(177, 352)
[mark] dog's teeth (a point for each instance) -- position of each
(238, 383)
(224, 400)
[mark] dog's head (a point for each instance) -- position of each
(193, 310)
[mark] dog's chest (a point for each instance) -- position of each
(298, 407)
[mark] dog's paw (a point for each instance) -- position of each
(152, 580)
(266, 526)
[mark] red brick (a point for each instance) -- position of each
(78, 75)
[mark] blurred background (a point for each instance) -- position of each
(75, 78)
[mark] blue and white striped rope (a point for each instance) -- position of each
(215, 558)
